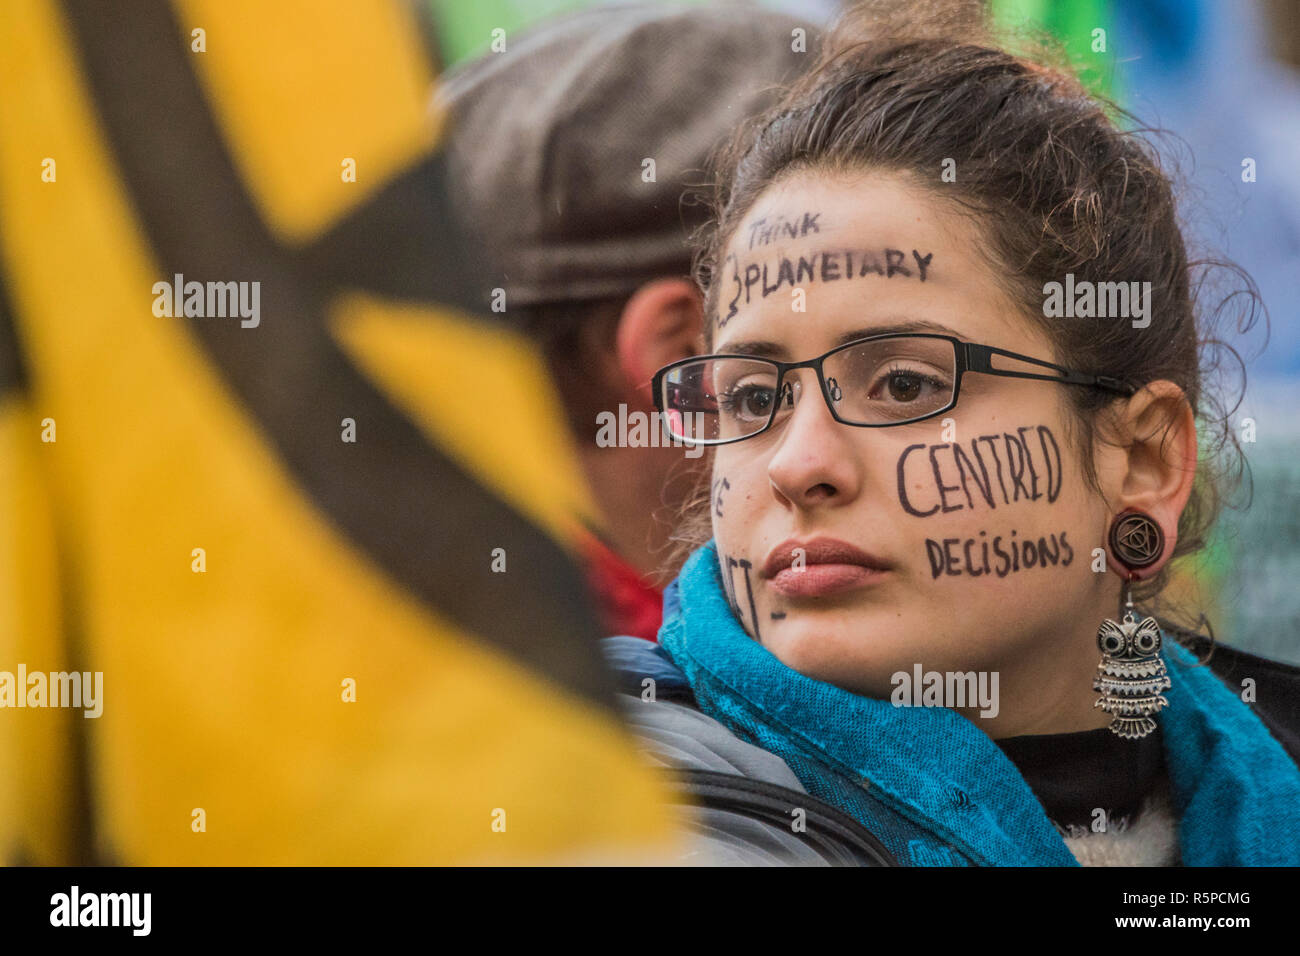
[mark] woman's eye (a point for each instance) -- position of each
(904, 386)
(749, 401)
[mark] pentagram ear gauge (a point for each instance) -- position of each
(1136, 541)
(1131, 675)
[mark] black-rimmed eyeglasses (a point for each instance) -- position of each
(873, 382)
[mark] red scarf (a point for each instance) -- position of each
(626, 601)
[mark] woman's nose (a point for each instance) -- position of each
(815, 461)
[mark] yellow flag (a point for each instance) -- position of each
(267, 475)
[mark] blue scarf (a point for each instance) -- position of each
(936, 789)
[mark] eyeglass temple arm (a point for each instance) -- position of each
(979, 358)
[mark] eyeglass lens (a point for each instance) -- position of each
(885, 381)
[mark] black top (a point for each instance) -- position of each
(1073, 774)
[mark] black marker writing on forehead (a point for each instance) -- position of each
(763, 231)
(761, 280)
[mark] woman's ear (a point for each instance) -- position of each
(1156, 466)
(661, 323)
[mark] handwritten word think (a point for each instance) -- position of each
(763, 232)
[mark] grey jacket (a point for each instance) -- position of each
(742, 805)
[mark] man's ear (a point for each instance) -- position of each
(661, 323)
(1158, 461)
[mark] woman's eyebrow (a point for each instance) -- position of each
(895, 327)
(762, 348)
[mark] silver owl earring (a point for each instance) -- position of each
(1131, 675)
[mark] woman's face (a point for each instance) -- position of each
(976, 525)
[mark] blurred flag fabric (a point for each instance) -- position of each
(366, 493)
(1083, 28)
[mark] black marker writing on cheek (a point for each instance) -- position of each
(1035, 494)
(719, 486)
(938, 480)
(1044, 436)
(946, 556)
(902, 484)
(727, 586)
(1033, 469)
(1016, 466)
(732, 597)
(1005, 558)
(993, 450)
(965, 468)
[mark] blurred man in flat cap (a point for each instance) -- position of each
(570, 156)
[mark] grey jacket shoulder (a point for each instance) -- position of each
(680, 738)
(673, 733)
(659, 706)
(683, 738)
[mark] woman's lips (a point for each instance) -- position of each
(820, 567)
(818, 580)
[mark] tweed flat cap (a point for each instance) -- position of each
(550, 139)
